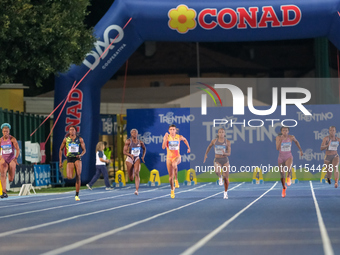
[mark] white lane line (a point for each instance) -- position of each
(185, 243)
(327, 246)
(116, 230)
(208, 237)
(52, 199)
(70, 205)
(87, 193)
(11, 232)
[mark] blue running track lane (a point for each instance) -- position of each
(254, 220)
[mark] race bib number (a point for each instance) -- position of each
(333, 146)
(135, 151)
(6, 149)
(286, 146)
(73, 148)
(219, 149)
(173, 145)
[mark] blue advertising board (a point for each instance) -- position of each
(253, 147)
(107, 124)
(250, 146)
(20, 155)
(42, 175)
(24, 174)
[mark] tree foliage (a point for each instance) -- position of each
(41, 37)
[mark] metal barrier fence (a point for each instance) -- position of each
(23, 124)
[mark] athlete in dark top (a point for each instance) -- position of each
(73, 142)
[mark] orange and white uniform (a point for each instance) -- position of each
(172, 147)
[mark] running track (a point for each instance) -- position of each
(254, 220)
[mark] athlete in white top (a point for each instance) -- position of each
(221, 162)
(132, 150)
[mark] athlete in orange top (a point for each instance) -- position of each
(172, 143)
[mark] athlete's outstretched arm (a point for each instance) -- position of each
(298, 145)
(82, 144)
(62, 146)
(228, 149)
(186, 143)
(324, 143)
(165, 140)
(126, 149)
(16, 146)
(208, 149)
(279, 139)
(144, 151)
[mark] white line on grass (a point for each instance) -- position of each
(208, 237)
(116, 230)
(327, 246)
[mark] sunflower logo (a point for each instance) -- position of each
(182, 19)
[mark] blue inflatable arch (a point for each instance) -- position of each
(128, 23)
